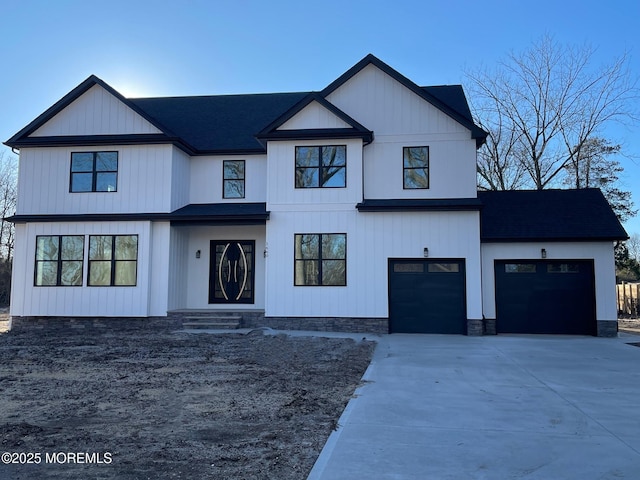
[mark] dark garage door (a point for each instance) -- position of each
(427, 296)
(545, 296)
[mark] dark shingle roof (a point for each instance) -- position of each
(228, 124)
(220, 123)
(537, 215)
(453, 96)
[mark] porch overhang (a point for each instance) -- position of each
(192, 214)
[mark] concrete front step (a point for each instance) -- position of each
(212, 321)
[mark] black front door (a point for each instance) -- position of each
(231, 271)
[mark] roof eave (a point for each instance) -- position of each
(68, 99)
(317, 133)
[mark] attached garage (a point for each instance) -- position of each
(427, 296)
(548, 262)
(540, 296)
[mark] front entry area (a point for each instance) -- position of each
(427, 296)
(545, 296)
(231, 271)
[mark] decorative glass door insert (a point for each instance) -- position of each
(231, 268)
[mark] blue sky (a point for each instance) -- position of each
(191, 47)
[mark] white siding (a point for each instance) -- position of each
(206, 179)
(400, 118)
(372, 238)
(387, 107)
(282, 193)
(180, 176)
(20, 275)
(452, 171)
(314, 115)
(144, 181)
(178, 273)
(84, 300)
(198, 268)
(600, 252)
(160, 242)
(96, 112)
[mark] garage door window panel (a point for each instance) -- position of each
(520, 268)
(563, 268)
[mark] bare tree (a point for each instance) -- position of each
(595, 165)
(541, 106)
(633, 246)
(8, 199)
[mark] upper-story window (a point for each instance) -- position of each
(94, 172)
(321, 167)
(415, 167)
(233, 179)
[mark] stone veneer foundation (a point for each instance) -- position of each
(252, 319)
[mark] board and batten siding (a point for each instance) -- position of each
(400, 118)
(372, 238)
(180, 172)
(451, 167)
(312, 116)
(158, 269)
(144, 181)
(600, 252)
(83, 301)
(281, 191)
(96, 112)
(207, 174)
(178, 272)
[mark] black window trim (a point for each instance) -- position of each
(94, 172)
(244, 177)
(320, 167)
(59, 262)
(319, 260)
(113, 259)
(428, 168)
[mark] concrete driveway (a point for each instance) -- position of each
(504, 407)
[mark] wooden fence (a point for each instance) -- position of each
(628, 299)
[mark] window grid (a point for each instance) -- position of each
(93, 172)
(113, 260)
(233, 179)
(415, 171)
(59, 261)
(320, 259)
(323, 166)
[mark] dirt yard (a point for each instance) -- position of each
(138, 405)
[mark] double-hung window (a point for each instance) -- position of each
(415, 167)
(320, 259)
(59, 260)
(113, 260)
(94, 172)
(233, 179)
(321, 167)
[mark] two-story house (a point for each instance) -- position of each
(353, 208)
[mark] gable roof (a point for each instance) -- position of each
(548, 215)
(449, 99)
(356, 131)
(235, 124)
(22, 137)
